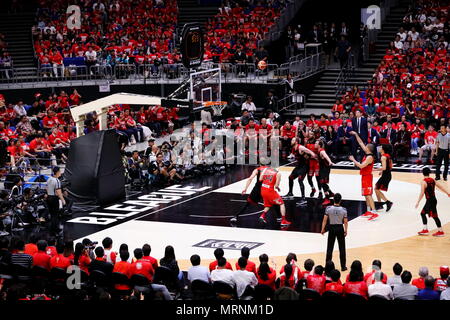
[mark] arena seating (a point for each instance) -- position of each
(37, 271)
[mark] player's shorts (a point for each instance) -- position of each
(367, 185)
(383, 183)
(255, 196)
(271, 197)
(299, 172)
(313, 167)
(324, 174)
(430, 208)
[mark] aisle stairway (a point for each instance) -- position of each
(17, 29)
(191, 11)
(323, 95)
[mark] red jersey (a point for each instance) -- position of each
(152, 261)
(41, 259)
(316, 282)
(269, 178)
(143, 267)
(419, 283)
(213, 266)
(368, 169)
(125, 268)
(430, 137)
(59, 261)
(271, 277)
(430, 188)
(30, 248)
(359, 287)
(334, 286)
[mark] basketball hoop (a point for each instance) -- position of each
(217, 106)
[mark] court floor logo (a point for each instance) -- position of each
(227, 244)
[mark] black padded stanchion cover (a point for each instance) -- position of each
(94, 171)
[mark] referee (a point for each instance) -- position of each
(337, 229)
(54, 195)
(443, 147)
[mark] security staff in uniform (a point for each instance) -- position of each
(337, 229)
(443, 147)
(54, 195)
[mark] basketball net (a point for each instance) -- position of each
(217, 106)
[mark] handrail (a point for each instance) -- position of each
(347, 71)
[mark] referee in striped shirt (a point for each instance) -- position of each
(336, 216)
(443, 152)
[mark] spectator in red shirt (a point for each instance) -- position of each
(123, 267)
(41, 258)
(219, 253)
(287, 278)
(146, 249)
(420, 282)
(51, 249)
(317, 280)
(31, 247)
(335, 284)
(81, 257)
(141, 266)
(355, 283)
(266, 275)
(368, 277)
(251, 266)
(59, 261)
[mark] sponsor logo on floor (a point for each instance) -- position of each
(227, 244)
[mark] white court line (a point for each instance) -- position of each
(222, 217)
(200, 195)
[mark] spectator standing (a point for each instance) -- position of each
(336, 216)
(443, 152)
(249, 105)
(343, 48)
(54, 197)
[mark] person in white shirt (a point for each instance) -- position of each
(198, 272)
(402, 34)
(243, 278)
(445, 295)
(205, 116)
(396, 279)
(413, 34)
(379, 288)
(249, 105)
(398, 43)
(222, 273)
(19, 109)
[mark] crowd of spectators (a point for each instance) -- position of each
(5, 59)
(37, 271)
(112, 33)
(406, 102)
(232, 35)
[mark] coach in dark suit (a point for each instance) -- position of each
(359, 124)
(373, 135)
(389, 133)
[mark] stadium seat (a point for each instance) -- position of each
(263, 292)
(21, 273)
(354, 297)
(202, 290)
(39, 272)
(331, 296)
(378, 298)
(5, 271)
(99, 278)
(224, 291)
(118, 278)
(166, 277)
(309, 295)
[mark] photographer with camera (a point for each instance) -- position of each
(54, 197)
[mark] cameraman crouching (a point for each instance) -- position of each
(54, 195)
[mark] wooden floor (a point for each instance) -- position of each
(412, 253)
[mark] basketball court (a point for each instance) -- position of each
(197, 222)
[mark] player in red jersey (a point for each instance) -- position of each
(270, 180)
(386, 176)
(255, 195)
(366, 168)
(430, 208)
